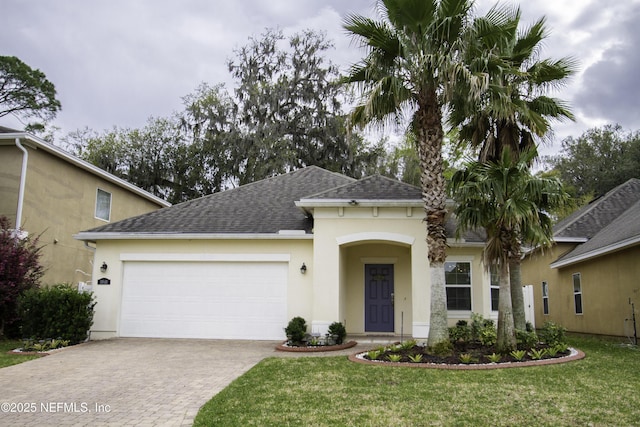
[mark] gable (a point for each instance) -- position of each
(607, 224)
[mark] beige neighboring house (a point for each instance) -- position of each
(589, 279)
(47, 192)
(241, 263)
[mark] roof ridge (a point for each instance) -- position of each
(360, 181)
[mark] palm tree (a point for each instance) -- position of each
(511, 204)
(514, 111)
(413, 64)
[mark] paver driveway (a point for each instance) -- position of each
(125, 381)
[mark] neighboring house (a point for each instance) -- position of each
(587, 281)
(241, 263)
(47, 192)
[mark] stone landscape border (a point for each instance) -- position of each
(575, 354)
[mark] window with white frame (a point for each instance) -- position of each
(457, 277)
(545, 298)
(577, 293)
(103, 205)
(495, 287)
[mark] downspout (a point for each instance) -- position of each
(23, 182)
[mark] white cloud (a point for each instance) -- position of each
(118, 62)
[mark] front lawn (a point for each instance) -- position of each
(601, 390)
(7, 359)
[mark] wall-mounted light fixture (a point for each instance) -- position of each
(303, 269)
(104, 267)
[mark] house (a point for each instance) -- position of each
(241, 263)
(47, 192)
(589, 279)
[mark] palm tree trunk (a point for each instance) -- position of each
(429, 135)
(517, 299)
(506, 341)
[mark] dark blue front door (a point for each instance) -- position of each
(378, 298)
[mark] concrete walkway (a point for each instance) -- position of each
(128, 381)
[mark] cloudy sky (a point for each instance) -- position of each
(118, 62)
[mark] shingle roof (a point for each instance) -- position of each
(610, 223)
(268, 206)
(8, 130)
(375, 187)
(589, 220)
(265, 206)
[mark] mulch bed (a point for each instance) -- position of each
(453, 361)
(315, 348)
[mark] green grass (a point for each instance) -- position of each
(600, 390)
(12, 359)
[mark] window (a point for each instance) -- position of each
(457, 277)
(545, 298)
(577, 293)
(495, 288)
(103, 205)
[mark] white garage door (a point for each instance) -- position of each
(227, 300)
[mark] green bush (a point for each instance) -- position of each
(488, 334)
(552, 334)
(338, 330)
(526, 340)
(460, 332)
(296, 330)
(59, 311)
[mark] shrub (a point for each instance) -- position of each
(460, 332)
(443, 348)
(552, 334)
(466, 358)
(408, 345)
(488, 335)
(394, 357)
(494, 357)
(415, 358)
(536, 354)
(373, 354)
(20, 270)
(58, 312)
(526, 340)
(296, 330)
(338, 330)
(518, 354)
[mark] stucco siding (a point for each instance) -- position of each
(607, 282)
(342, 237)
(535, 270)
(11, 161)
(115, 254)
(59, 201)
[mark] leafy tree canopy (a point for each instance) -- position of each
(598, 160)
(284, 113)
(26, 93)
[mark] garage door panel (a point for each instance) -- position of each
(204, 300)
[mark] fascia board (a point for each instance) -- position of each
(464, 244)
(570, 239)
(319, 203)
(94, 237)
